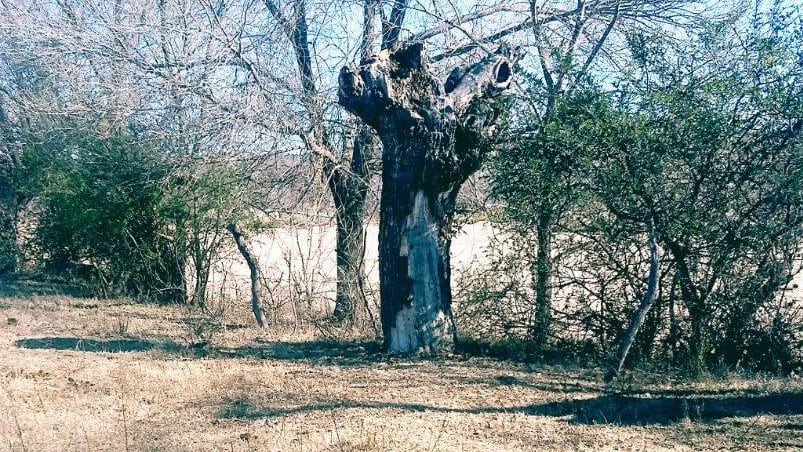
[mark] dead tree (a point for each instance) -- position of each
(615, 367)
(434, 136)
(253, 268)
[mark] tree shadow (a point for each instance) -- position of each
(667, 409)
(30, 287)
(341, 353)
(606, 409)
(313, 352)
(546, 386)
(97, 345)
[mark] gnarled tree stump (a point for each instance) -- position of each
(434, 136)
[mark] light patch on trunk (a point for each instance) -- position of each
(430, 323)
(439, 328)
(423, 257)
(403, 336)
(423, 323)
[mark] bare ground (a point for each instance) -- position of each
(88, 374)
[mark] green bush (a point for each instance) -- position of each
(103, 215)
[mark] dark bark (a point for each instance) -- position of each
(695, 304)
(253, 269)
(8, 198)
(541, 279)
(349, 188)
(674, 328)
(638, 317)
(695, 361)
(201, 267)
(8, 229)
(391, 28)
(434, 136)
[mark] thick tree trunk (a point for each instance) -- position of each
(434, 136)
(349, 188)
(541, 277)
(695, 361)
(638, 317)
(674, 328)
(253, 269)
(414, 255)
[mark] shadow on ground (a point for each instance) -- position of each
(341, 353)
(658, 407)
(314, 352)
(29, 287)
(96, 345)
(604, 409)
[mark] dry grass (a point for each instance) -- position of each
(86, 374)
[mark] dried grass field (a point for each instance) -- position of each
(81, 374)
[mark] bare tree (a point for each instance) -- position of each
(650, 295)
(253, 268)
(433, 136)
(345, 165)
(344, 156)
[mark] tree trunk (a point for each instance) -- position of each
(349, 188)
(8, 209)
(695, 362)
(542, 276)
(434, 136)
(414, 260)
(350, 251)
(638, 317)
(674, 328)
(695, 302)
(201, 267)
(253, 269)
(347, 181)
(8, 197)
